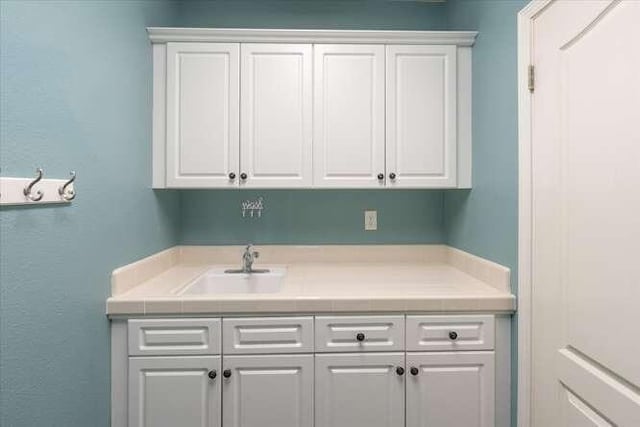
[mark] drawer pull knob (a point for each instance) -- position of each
(380, 177)
(226, 373)
(392, 176)
(212, 374)
(232, 176)
(414, 371)
(360, 336)
(400, 370)
(453, 335)
(243, 176)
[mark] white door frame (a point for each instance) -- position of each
(525, 39)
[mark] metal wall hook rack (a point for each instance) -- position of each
(36, 191)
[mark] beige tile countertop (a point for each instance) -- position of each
(319, 279)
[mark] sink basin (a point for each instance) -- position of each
(216, 281)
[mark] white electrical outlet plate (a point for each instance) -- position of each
(370, 220)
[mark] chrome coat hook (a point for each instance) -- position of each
(28, 189)
(68, 193)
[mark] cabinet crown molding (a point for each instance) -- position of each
(246, 35)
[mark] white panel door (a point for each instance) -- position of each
(360, 390)
(421, 116)
(586, 212)
(174, 391)
(276, 132)
(348, 116)
(202, 114)
(454, 389)
(268, 391)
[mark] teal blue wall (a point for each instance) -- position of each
(75, 93)
(312, 217)
(484, 221)
(336, 14)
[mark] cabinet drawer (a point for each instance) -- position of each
(446, 333)
(268, 335)
(169, 337)
(359, 333)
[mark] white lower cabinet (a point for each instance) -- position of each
(174, 391)
(334, 372)
(268, 391)
(360, 390)
(453, 389)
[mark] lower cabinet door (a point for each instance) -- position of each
(360, 390)
(268, 391)
(174, 391)
(450, 389)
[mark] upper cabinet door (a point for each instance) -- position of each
(202, 114)
(348, 116)
(276, 135)
(421, 116)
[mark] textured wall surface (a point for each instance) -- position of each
(312, 217)
(342, 14)
(75, 93)
(484, 221)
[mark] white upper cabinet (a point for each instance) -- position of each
(348, 115)
(202, 92)
(421, 116)
(275, 133)
(311, 109)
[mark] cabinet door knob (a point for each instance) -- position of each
(380, 177)
(212, 374)
(360, 336)
(453, 335)
(226, 373)
(232, 176)
(392, 176)
(414, 371)
(400, 370)
(243, 176)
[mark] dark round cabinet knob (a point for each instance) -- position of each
(226, 373)
(414, 371)
(243, 176)
(453, 335)
(212, 374)
(360, 337)
(400, 370)
(392, 176)
(232, 176)
(380, 177)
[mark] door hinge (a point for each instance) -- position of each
(531, 79)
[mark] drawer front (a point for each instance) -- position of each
(170, 337)
(447, 333)
(268, 335)
(359, 333)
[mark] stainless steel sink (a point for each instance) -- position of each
(218, 281)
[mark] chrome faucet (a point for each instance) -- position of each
(248, 257)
